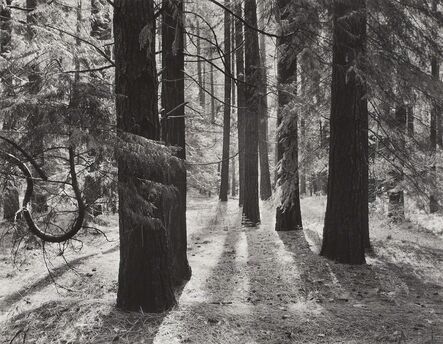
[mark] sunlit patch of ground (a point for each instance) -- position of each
(249, 285)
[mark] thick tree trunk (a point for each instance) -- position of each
(251, 209)
(241, 100)
(234, 179)
(265, 175)
(288, 211)
(173, 129)
(346, 212)
(144, 275)
(224, 186)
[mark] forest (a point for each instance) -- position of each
(221, 171)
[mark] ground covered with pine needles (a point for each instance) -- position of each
(249, 285)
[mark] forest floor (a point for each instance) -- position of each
(249, 285)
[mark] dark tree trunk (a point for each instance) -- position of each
(241, 100)
(144, 275)
(173, 128)
(224, 186)
(265, 175)
(346, 213)
(288, 211)
(251, 209)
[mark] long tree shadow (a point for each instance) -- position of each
(380, 301)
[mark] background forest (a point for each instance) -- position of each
(230, 171)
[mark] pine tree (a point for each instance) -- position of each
(251, 209)
(345, 221)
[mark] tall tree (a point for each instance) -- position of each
(346, 217)
(173, 126)
(265, 175)
(144, 275)
(288, 212)
(224, 186)
(201, 91)
(251, 208)
(241, 100)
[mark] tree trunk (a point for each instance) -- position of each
(346, 212)
(144, 275)
(173, 129)
(224, 186)
(288, 211)
(251, 209)
(234, 179)
(211, 81)
(265, 175)
(201, 92)
(241, 100)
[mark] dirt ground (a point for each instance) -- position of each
(249, 285)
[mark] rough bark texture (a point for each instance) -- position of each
(224, 185)
(241, 100)
(144, 275)
(346, 212)
(288, 212)
(265, 175)
(211, 81)
(173, 127)
(251, 209)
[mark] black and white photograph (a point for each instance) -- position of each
(221, 171)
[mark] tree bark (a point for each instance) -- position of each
(265, 175)
(251, 209)
(224, 186)
(241, 100)
(173, 128)
(346, 212)
(144, 274)
(288, 211)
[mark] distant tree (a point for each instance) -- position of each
(265, 175)
(224, 186)
(173, 128)
(241, 100)
(288, 212)
(145, 281)
(251, 209)
(345, 221)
